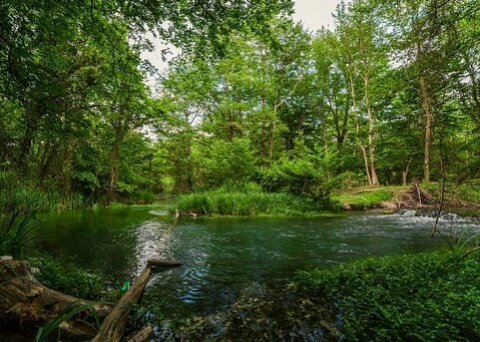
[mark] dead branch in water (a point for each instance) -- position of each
(113, 327)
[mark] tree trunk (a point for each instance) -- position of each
(24, 300)
(428, 109)
(371, 133)
(357, 122)
(115, 163)
(367, 167)
(26, 144)
(405, 173)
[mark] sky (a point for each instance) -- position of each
(312, 13)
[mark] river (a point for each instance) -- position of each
(225, 258)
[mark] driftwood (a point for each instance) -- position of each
(113, 327)
(25, 301)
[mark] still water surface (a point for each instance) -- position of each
(225, 259)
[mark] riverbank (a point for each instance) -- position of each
(390, 198)
(416, 196)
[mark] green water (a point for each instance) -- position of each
(225, 259)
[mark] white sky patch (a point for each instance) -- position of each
(312, 13)
(315, 13)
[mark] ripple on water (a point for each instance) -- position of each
(226, 260)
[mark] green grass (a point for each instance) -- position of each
(361, 199)
(69, 278)
(456, 194)
(427, 297)
(15, 234)
(225, 203)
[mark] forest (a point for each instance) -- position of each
(259, 127)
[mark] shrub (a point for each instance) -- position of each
(424, 297)
(226, 162)
(300, 172)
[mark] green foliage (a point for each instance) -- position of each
(14, 234)
(456, 194)
(247, 203)
(427, 297)
(364, 199)
(68, 313)
(19, 203)
(69, 278)
(225, 162)
(301, 173)
(18, 196)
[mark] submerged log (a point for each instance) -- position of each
(113, 327)
(25, 301)
(141, 336)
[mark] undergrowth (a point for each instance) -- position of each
(425, 297)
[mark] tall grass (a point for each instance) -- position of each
(19, 203)
(249, 203)
(362, 200)
(17, 195)
(14, 234)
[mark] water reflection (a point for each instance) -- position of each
(228, 259)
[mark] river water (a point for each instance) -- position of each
(226, 258)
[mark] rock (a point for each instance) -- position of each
(6, 258)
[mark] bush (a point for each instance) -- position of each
(425, 297)
(226, 162)
(300, 172)
(247, 203)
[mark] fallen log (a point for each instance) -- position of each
(113, 327)
(25, 301)
(142, 336)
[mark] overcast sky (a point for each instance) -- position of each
(313, 13)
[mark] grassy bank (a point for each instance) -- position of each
(423, 297)
(365, 198)
(236, 203)
(456, 196)
(461, 195)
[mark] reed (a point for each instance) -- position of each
(249, 203)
